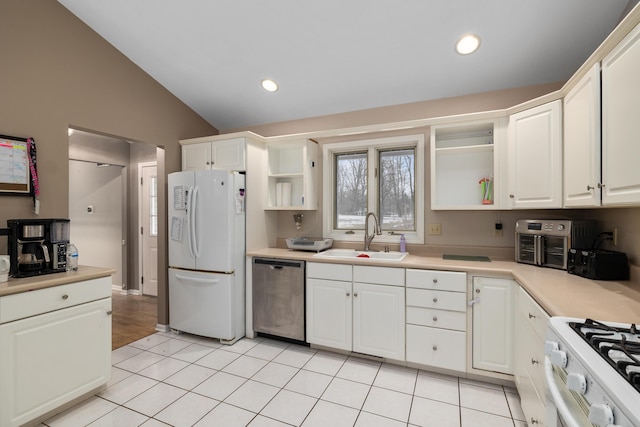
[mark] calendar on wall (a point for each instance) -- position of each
(15, 176)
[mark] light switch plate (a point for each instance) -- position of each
(435, 229)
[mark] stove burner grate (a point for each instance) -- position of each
(620, 347)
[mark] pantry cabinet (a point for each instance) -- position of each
(531, 322)
(463, 156)
(535, 157)
(436, 318)
(493, 316)
(223, 154)
(582, 142)
(292, 175)
(56, 347)
(348, 310)
(620, 124)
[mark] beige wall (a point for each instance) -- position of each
(55, 73)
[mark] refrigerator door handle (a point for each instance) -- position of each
(189, 222)
(197, 279)
(192, 229)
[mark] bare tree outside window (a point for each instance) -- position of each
(397, 189)
(351, 190)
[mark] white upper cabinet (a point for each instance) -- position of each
(225, 154)
(621, 122)
(582, 142)
(535, 157)
(463, 156)
(292, 175)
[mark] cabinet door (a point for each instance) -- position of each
(620, 124)
(535, 157)
(493, 324)
(329, 313)
(196, 156)
(229, 154)
(51, 359)
(378, 320)
(582, 142)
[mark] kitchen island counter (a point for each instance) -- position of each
(558, 292)
(26, 284)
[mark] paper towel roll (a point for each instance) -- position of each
(286, 194)
(279, 194)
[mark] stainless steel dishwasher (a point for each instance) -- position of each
(278, 298)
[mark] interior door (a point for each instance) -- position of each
(149, 230)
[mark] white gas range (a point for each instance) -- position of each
(592, 373)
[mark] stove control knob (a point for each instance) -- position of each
(559, 358)
(600, 414)
(577, 382)
(549, 346)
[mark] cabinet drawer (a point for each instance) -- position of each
(27, 304)
(378, 275)
(436, 347)
(319, 270)
(455, 320)
(441, 280)
(442, 300)
(536, 317)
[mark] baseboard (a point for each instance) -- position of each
(162, 328)
(126, 291)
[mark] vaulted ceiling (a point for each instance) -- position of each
(335, 56)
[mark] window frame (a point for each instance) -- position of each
(373, 146)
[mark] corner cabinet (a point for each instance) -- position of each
(582, 142)
(462, 155)
(535, 157)
(620, 124)
(56, 347)
(223, 154)
(292, 175)
(356, 308)
(493, 316)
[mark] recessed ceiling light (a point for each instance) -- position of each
(467, 44)
(269, 85)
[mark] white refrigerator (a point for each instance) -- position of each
(206, 253)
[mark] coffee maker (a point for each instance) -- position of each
(38, 246)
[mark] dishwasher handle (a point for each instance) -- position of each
(278, 264)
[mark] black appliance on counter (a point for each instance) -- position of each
(38, 246)
(598, 264)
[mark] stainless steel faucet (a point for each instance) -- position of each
(368, 238)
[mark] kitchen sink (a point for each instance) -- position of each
(355, 254)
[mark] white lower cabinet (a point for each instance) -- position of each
(493, 324)
(531, 322)
(347, 314)
(436, 319)
(51, 358)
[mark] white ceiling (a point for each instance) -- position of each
(335, 56)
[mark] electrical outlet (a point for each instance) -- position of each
(497, 229)
(615, 237)
(435, 229)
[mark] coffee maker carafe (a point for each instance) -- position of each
(36, 246)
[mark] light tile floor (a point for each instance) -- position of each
(184, 380)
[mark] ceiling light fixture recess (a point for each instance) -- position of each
(269, 85)
(467, 44)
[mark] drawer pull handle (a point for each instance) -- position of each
(65, 297)
(532, 316)
(348, 294)
(355, 294)
(109, 313)
(435, 318)
(534, 361)
(534, 421)
(435, 348)
(435, 280)
(435, 299)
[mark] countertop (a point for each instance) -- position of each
(558, 292)
(15, 286)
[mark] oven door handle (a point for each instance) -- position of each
(556, 396)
